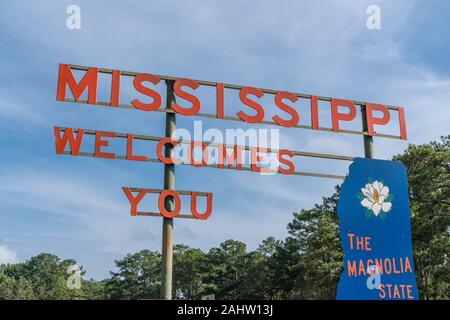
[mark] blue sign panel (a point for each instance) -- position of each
(374, 216)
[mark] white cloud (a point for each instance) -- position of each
(7, 255)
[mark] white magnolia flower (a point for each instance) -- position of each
(375, 197)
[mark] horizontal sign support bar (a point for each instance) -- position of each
(209, 143)
(213, 84)
(182, 192)
(213, 116)
(154, 160)
(157, 214)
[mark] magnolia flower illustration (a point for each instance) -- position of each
(376, 199)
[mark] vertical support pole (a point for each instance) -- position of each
(368, 140)
(169, 183)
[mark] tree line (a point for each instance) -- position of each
(305, 265)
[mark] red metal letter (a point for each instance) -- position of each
(294, 114)
(190, 153)
(162, 207)
(75, 143)
(134, 201)
(371, 120)
(252, 104)
(187, 96)
(160, 146)
(230, 159)
(137, 83)
(314, 112)
(65, 77)
(220, 100)
(255, 158)
(208, 210)
(115, 88)
(288, 162)
(103, 143)
(336, 116)
(130, 155)
(402, 122)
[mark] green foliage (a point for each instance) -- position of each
(320, 261)
(226, 268)
(12, 289)
(138, 277)
(187, 272)
(305, 265)
(42, 277)
(428, 169)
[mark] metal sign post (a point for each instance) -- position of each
(368, 140)
(169, 184)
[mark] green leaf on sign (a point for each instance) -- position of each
(360, 196)
(383, 215)
(368, 214)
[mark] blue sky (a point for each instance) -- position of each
(74, 207)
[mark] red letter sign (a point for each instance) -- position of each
(208, 210)
(401, 119)
(162, 207)
(236, 156)
(130, 155)
(294, 114)
(115, 88)
(190, 153)
(259, 109)
(160, 146)
(103, 143)
(75, 143)
(137, 83)
(134, 201)
(287, 162)
(220, 97)
(314, 112)
(186, 95)
(65, 77)
(371, 120)
(336, 116)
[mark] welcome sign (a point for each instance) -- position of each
(182, 99)
(376, 235)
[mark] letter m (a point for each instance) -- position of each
(65, 77)
(351, 268)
